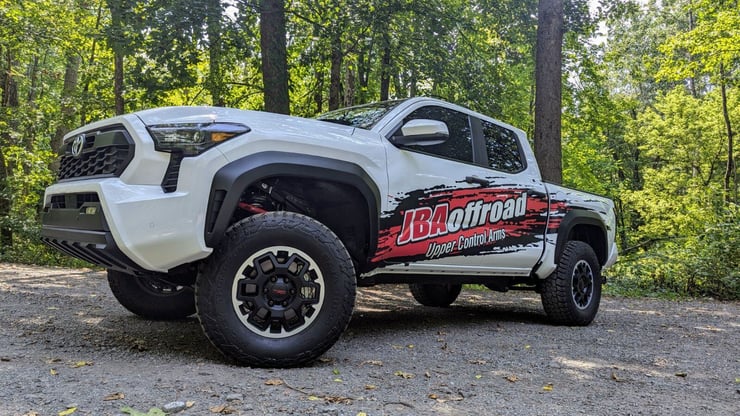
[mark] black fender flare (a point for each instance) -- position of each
(580, 216)
(232, 179)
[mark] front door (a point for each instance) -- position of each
(468, 205)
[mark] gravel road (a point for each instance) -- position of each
(67, 347)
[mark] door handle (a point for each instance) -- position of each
(479, 181)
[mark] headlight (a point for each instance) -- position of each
(194, 138)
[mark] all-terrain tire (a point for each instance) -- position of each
(151, 298)
(278, 292)
(436, 295)
(571, 295)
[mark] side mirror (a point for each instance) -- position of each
(422, 132)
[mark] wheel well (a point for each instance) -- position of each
(593, 236)
(339, 206)
(338, 193)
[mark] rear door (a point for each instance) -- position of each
(468, 205)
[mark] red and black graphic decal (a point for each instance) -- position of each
(435, 223)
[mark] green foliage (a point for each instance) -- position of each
(643, 118)
(706, 263)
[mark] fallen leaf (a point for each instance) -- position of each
(338, 380)
(547, 387)
(313, 398)
(154, 411)
(338, 400)
(373, 362)
(335, 371)
(53, 372)
(526, 347)
(222, 409)
(274, 382)
(512, 378)
(189, 404)
(79, 364)
(361, 414)
(445, 400)
(68, 411)
(410, 346)
(478, 376)
(404, 375)
(53, 360)
(113, 396)
(370, 387)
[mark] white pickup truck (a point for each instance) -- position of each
(265, 224)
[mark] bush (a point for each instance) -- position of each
(704, 264)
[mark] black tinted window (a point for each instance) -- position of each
(502, 146)
(460, 144)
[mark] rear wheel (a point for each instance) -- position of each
(278, 292)
(571, 295)
(151, 297)
(437, 295)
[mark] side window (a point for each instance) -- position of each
(502, 146)
(460, 144)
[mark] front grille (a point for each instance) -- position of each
(104, 152)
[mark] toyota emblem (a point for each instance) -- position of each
(77, 145)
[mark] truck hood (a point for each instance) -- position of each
(255, 120)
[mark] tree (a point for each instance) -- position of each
(548, 84)
(274, 56)
(710, 48)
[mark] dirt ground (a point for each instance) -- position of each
(67, 347)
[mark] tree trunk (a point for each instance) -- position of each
(349, 90)
(9, 100)
(6, 234)
(120, 104)
(118, 44)
(215, 76)
(730, 170)
(385, 69)
(318, 94)
(274, 56)
(548, 95)
(335, 74)
(71, 73)
(90, 62)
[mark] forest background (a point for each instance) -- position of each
(651, 98)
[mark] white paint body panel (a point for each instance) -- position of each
(160, 231)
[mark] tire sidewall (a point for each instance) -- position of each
(214, 290)
(557, 295)
(435, 295)
(134, 294)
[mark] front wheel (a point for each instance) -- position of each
(571, 295)
(278, 292)
(150, 297)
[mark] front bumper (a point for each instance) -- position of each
(131, 228)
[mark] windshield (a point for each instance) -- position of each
(362, 116)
